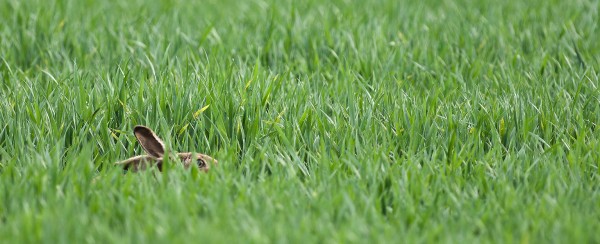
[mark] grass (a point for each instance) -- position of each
(333, 122)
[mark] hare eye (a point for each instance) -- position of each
(200, 163)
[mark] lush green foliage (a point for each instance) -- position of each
(333, 121)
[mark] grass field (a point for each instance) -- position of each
(343, 121)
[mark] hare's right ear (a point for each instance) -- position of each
(150, 142)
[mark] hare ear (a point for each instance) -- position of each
(150, 142)
(139, 163)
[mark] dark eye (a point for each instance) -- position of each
(200, 163)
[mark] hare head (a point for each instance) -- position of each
(155, 148)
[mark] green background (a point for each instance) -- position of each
(333, 121)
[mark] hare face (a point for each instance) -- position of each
(155, 148)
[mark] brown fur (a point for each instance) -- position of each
(155, 148)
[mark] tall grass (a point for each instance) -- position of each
(339, 121)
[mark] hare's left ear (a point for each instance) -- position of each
(149, 141)
(138, 163)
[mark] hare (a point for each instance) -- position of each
(155, 148)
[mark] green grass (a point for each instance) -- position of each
(333, 122)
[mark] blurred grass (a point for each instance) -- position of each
(338, 121)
